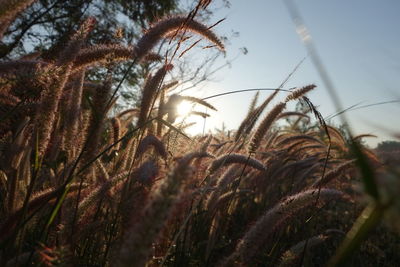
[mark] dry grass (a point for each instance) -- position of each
(81, 187)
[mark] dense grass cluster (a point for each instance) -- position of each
(82, 187)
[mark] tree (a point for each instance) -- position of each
(44, 27)
(388, 146)
(46, 24)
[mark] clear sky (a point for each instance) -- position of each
(357, 40)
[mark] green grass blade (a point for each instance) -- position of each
(365, 223)
(367, 172)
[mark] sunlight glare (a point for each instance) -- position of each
(184, 108)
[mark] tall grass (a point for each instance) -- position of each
(82, 187)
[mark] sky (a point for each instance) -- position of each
(358, 42)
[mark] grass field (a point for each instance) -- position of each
(82, 187)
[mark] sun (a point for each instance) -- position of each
(184, 108)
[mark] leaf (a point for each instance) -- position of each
(169, 125)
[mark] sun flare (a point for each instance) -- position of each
(184, 108)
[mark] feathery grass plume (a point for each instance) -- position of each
(93, 197)
(248, 123)
(96, 123)
(253, 103)
(165, 26)
(60, 130)
(70, 53)
(309, 148)
(9, 10)
(335, 134)
(31, 56)
(98, 193)
(79, 138)
(15, 163)
(47, 111)
(229, 175)
(290, 147)
(186, 125)
(295, 124)
(134, 111)
(71, 121)
(244, 124)
(215, 210)
(187, 159)
(100, 54)
(204, 3)
(287, 141)
(336, 138)
(137, 243)
(227, 197)
(13, 149)
(216, 139)
(126, 155)
(197, 100)
(56, 138)
(150, 91)
(293, 169)
(206, 143)
(51, 96)
(201, 114)
(317, 115)
(218, 146)
(3, 181)
(306, 175)
(146, 173)
(7, 102)
(300, 92)
(203, 148)
(258, 111)
(169, 85)
(103, 175)
(203, 138)
(265, 125)
(23, 97)
(235, 158)
(8, 68)
(256, 236)
(359, 137)
(270, 139)
(151, 140)
(37, 201)
(160, 112)
(372, 157)
(333, 174)
(116, 130)
(19, 180)
(293, 256)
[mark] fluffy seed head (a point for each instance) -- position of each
(166, 26)
(153, 141)
(235, 158)
(265, 125)
(300, 92)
